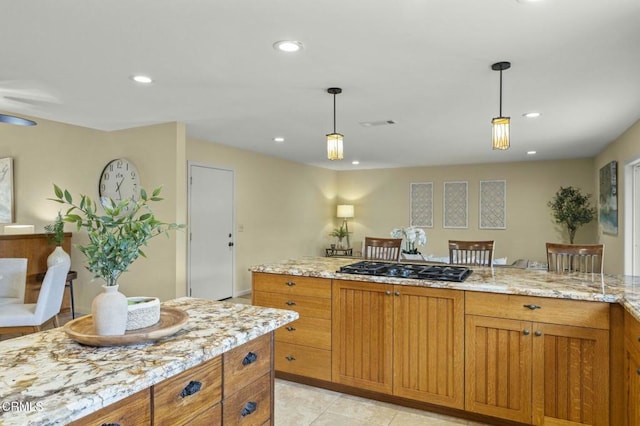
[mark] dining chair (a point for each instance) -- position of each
(575, 257)
(478, 253)
(13, 280)
(31, 317)
(382, 248)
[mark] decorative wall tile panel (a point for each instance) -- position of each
(493, 204)
(422, 204)
(456, 210)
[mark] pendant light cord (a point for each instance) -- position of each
(334, 113)
(500, 93)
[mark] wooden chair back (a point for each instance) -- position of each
(382, 248)
(575, 257)
(478, 253)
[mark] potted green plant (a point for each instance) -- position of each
(339, 233)
(55, 233)
(570, 207)
(116, 239)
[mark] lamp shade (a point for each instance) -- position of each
(334, 146)
(345, 211)
(500, 133)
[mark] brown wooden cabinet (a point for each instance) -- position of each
(400, 340)
(235, 388)
(302, 347)
(523, 367)
(631, 370)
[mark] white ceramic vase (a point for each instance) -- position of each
(57, 256)
(109, 311)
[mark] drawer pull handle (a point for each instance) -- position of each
(290, 358)
(397, 293)
(532, 307)
(291, 303)
(191, 388)
(290, 283)
(249, 408)
(388, 293)
(291, 328)
(525, 332)
(538, 333)
(638, 371)
(250, 358)
(638, 338)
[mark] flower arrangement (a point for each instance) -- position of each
(412, 236)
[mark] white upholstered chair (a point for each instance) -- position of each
(31, 317)
(13, 280)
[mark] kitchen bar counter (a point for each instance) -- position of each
(48, 379)
(503, 279)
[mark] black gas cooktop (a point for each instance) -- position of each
(408, 270)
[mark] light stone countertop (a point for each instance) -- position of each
(61, 380)
(499, 279)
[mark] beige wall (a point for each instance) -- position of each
(73, 158)
(381, 199)
(285, 209)
(626, 151)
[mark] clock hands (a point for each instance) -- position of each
(118, 187)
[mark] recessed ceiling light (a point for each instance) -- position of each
(531, 152)
(355, 162)
(278, 139)
(288, 46)
(144, 79)
(531, 115)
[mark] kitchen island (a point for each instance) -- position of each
(504, 345)
(48, 379)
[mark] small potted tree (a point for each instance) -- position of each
(116, 239)
(340, 234)
(572, 209)
(55, 232)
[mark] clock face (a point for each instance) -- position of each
(119, 181)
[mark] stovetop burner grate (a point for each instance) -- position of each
(408, 270)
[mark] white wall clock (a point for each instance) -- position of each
(119, 180)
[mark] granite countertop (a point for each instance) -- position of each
(56, 380)
(621, 289)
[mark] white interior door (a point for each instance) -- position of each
(211, 255)
(636, 220)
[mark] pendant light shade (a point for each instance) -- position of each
(500, 125)
(335, 140)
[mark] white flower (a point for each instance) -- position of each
(412, 236)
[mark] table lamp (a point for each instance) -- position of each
(345, 211)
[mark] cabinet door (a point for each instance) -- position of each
(632, 385)
(362, 335)
(133, 410)
(498, 367)
(429, 345)
(570, 375)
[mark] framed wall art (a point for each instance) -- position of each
(6, 190)
(608, 212)
(456, 210)
(422, 204)
(493, 204)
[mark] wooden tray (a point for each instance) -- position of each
(83, 331)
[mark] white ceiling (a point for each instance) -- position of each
(426, 64)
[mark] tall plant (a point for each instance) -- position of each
(572, 208)
(116, 237)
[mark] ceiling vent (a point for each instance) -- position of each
(377, 123)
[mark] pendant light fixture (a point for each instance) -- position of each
(500, 125)
(334, 140)
(18, 121)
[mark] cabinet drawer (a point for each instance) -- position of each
(540, 309)
(251, 405)
(632, 330)
(171, 400)
(209, 417)
(306, 306)
(133, 410)
(244, 363)
(314, 332)
(303, 360)
(292, 285)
